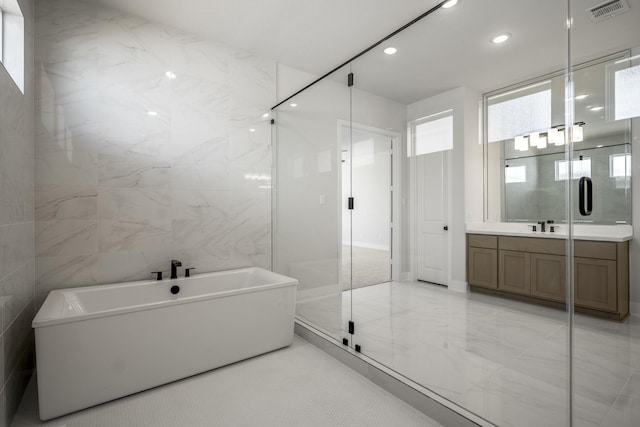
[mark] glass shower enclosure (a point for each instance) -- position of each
(391, 171)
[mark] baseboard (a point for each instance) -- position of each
(318, 292)
(458, 286)
(424, 400)
(367, 245)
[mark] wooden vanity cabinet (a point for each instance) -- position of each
(534, 269)
(482, 260)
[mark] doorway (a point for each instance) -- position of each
(432, 142)
(367, 166)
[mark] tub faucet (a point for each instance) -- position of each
(542, 224)
(174, 268)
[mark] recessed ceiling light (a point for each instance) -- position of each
(152, 113)
(252, 130)
(390, 50)
(596, 108)
(293, 104)
(449, 4)
(265, 115)
(501, 38)
(599, 146)
(581, 97)
(170, 74)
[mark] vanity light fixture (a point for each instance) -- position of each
(521, 143)
(598, 108)
(501, 38)
(170, 75)
(390, 50)
(450, 3)
(581, 97)
(534, 139)
(553, 135)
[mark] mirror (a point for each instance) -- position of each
(525, 154)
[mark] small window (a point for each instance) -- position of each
(619, 165)
(581, 167)
(433, 134)
(12, 41)
(513, 174)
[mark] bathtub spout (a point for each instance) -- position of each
(174, 268)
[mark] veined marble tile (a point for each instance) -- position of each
(115, 236)
(58, 202)
(17, 291)
(203, 59)
(625, 412)
(55, 18)
(66, 168)
(133, 170)
(60, 272)
(212, 176)
(16, 246)
(133, 204)
(214, 236)
(53, 134)
(125, 266)
(57, 238)
(252, 85)
(200, 205)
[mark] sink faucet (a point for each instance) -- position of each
(542, 224)
(174, 268)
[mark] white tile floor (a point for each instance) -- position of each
(297, 386)
(503, 360)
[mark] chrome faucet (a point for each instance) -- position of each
(174, 268)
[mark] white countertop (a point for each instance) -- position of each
(607, 233)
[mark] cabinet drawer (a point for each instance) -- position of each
(483, 241)
(590, 249)
(533, 244)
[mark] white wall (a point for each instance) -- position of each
(16, 227)
(119, 192)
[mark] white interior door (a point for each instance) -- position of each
(432, 239)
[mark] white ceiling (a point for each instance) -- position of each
(447, 49)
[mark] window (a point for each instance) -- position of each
(581, 167)
(619, 165)
(627, 92)
(518, 112)
(12, 41)
(433, 134)
(514, 174)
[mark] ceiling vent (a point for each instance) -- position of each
(607, 9)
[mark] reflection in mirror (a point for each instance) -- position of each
(525, 137)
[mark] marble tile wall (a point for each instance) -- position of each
(16, 229)
(134, 167)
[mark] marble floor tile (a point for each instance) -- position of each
(506, 361)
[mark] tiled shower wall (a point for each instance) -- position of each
(135, 167)
(16, 228)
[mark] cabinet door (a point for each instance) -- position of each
(482, 267)
(514, 271)
(549, 277)
(595, 283)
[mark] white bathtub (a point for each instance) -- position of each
(98, 343)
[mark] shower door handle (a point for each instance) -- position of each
(585, 196)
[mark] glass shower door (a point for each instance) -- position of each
(307, 201)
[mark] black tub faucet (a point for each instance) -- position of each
(542, 224)
(174, 268)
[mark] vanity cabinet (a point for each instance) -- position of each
(534, 270)
(482, 261)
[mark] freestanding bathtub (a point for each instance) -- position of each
(98, 343)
